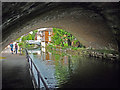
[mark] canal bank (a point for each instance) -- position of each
(110, 55)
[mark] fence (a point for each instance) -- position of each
(39, 77)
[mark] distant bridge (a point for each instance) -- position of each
(38, 42)
(34, 51)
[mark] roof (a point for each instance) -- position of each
(45, 29)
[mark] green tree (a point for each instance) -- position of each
(61, 36)
(29, 37)
(33, 34)
(24, 38)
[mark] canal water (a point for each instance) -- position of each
(61, 70)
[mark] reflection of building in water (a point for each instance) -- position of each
(44, 35)
(43, 49)
(47, 57)
(50, 59)
(64, 60)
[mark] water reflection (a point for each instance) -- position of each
(62, 70)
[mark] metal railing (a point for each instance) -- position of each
(39, 77)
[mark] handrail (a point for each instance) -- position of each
(38, 72)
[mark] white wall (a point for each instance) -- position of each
(43, 44)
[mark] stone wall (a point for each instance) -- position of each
(93, 24)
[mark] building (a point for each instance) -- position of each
(44, 35)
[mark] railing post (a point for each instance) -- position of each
(31, 65)
(38, 80)
(28, 59)
(39, 77)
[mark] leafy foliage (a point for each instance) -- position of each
(33, 34)
(20, 44)
(64, 38)
(27, 37)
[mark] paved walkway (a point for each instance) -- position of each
(15, 73)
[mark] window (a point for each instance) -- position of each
(49, 32)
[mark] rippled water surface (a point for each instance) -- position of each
(75, 71)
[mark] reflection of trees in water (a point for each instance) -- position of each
(63, 68)
(70, 68)
(70, 65)
(64, 65)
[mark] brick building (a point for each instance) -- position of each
(44, 35)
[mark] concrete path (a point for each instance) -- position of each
(15, 73)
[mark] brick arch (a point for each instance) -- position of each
(87, 26)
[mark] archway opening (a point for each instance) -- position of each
(49, 38)
(56, 38)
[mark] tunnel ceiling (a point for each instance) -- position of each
(103, 19)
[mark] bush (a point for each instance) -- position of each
(66, 44)
(74, 48)
(21, 44)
